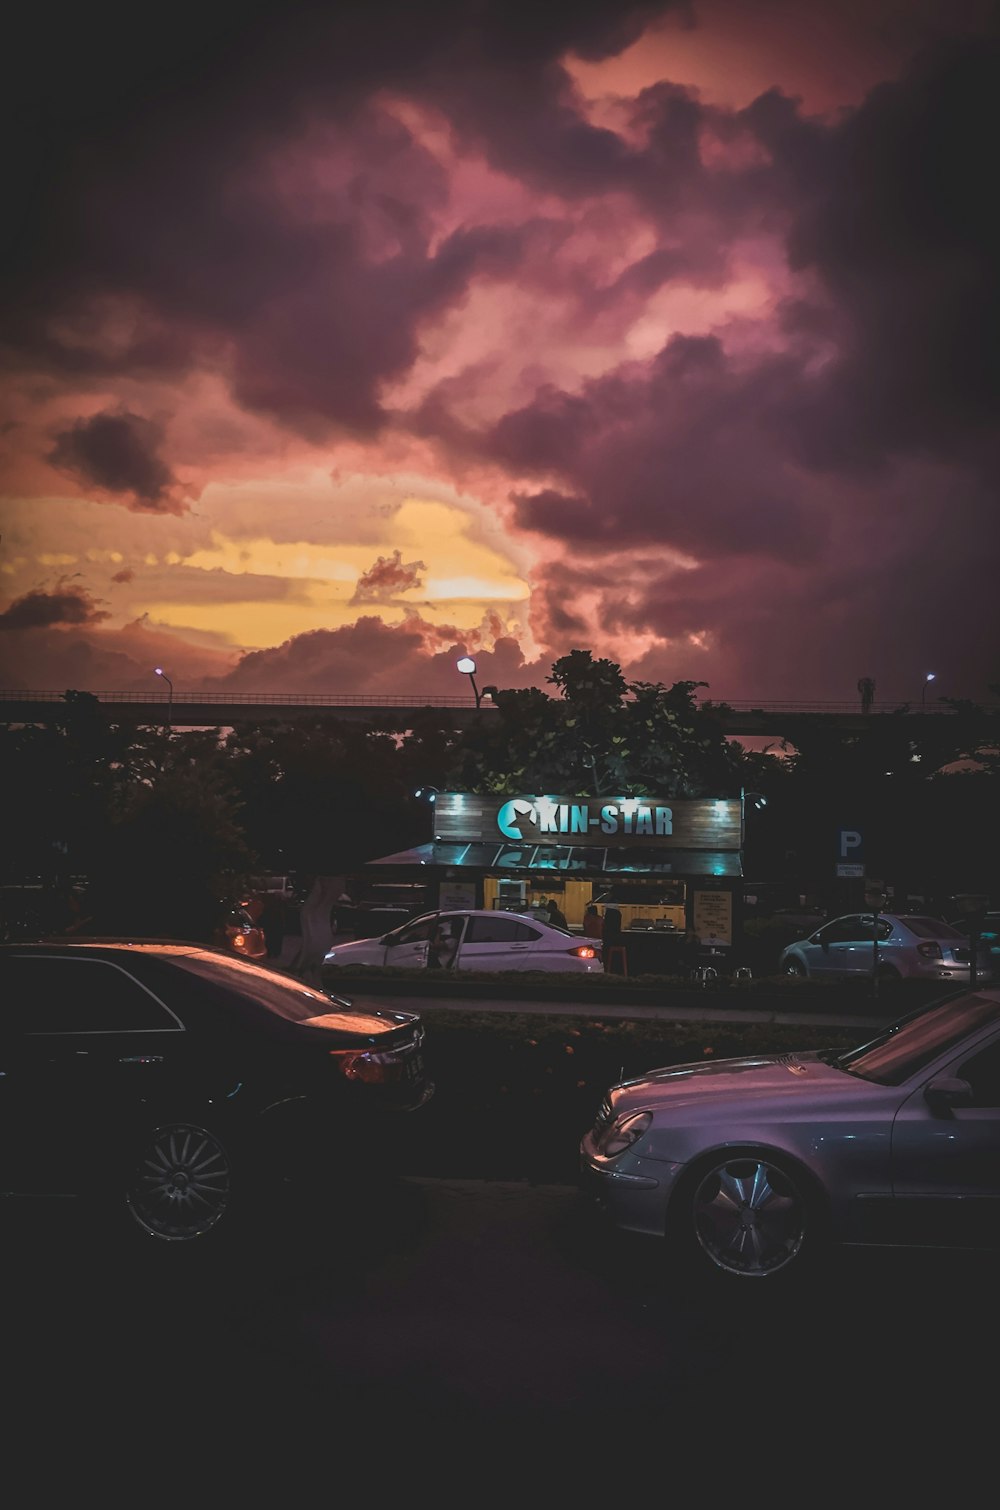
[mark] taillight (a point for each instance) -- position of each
(583, 951)
(929, 951)
(240, 941)
(359, 1064)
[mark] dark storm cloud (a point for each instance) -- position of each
(389, 577)
(903, 232)
(117, 453)
(678, 453)
(43, 610)
(898, 353)
(371, 656)
(141, 171)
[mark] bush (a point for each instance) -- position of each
(516, 1091)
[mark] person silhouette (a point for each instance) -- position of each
(866, 687)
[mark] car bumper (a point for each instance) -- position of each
(633, 1195)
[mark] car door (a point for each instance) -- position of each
(848, 947)
(500, 941)
(84, 1048)
(406, 948)
(829, 949)
(946, 1159)
(855, 955)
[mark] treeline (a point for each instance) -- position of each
(164, 828)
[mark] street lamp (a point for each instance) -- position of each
(756, 801)
(468, 668)
(923, 691)
(170, 696)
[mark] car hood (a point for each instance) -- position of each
(357, 948)
(734, 1082)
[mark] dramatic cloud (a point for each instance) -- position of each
(668, 330)
(387, 579)
(41, 610)
(117, 453)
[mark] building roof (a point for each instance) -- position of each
(569, 859)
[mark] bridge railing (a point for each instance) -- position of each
(188, 696)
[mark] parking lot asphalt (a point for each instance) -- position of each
(482, 1330)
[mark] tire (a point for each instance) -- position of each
(794, 967)
(749, 1215)
(181, 1187)
(888, 972)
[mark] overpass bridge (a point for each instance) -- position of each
(211, 709)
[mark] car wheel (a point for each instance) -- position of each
(182, 1185)
(750, 1216)
(888, 972)
(794, 967)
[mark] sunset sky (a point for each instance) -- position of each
(339, 341)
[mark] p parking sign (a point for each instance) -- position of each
(850, 846)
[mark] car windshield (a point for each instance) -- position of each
(909, 1043)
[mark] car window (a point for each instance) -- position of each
(931, 928)
(497, 929)
(841, 930)
(864, 927)
(413, 933)
(51, 994)
(905, 1046)
(256, 986)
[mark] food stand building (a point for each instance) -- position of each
(672, 865)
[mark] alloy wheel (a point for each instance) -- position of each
(183, 1184)
(750, 1218)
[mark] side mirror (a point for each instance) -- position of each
(947, 1091)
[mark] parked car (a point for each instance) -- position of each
(176, 1088)
(910, 947)
(243, 935)
(757, 1167)
(987, 925)
(482, 940)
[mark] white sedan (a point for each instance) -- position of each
(470, 940)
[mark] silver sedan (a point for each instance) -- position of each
(756, 1168)
(893, 946)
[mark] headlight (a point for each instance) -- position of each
(623, 1132)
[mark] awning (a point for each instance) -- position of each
(575, 859)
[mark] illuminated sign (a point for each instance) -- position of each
(546, 815)
(683, 823)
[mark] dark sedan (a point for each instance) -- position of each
(178, 1089)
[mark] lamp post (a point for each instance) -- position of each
(468, 668)
(429, 795)
(923, 691)
(170, 697)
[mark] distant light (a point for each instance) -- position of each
(467, 665)
(930, 676)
